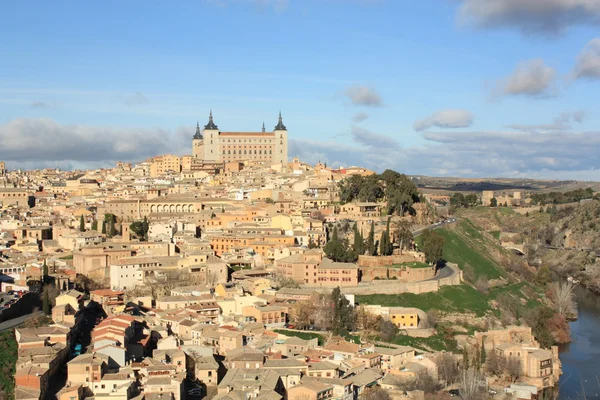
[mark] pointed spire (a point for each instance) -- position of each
(280, 126)
(198, 134)
(263, 128)
(211, 124)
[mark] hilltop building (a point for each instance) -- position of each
(212, 145)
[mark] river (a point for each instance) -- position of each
(581, 358)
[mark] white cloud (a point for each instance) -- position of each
(445, 119)
(588, 62)
(531, 78)
(563, 122)
(518, 154)
(363, 96)
(360, 117)
(39, 141)
(551, 17)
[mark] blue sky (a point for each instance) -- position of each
(351, 77)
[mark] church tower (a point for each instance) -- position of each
(281, 143)
(198, 143)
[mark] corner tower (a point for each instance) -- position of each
(211, 137)
(281, 142)
(198, 143)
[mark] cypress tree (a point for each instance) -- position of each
(371, 240)
(81, 224)
(46, 303)
(104, 227)
(358, 241)
(383, 244)
(335, 233)
(483, 355)
(45, 270)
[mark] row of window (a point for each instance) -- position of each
(259, 152)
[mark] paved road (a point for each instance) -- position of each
(11, 323)
(436, 226)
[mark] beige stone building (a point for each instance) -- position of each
(212, 145)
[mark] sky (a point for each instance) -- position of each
(473, 88)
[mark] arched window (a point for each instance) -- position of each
(228, 151)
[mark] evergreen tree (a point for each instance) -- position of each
(344, 318)
(483, 355)
(94, 225)
(359, 244)
(45, 271)
(371, 249)
(334, 237)
(81, 224)
(383, 244)
(46, 306)
(104, 227)
(145, 227)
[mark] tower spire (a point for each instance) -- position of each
(263, 128)
(211, 124)
(280, 126)
(198, 134)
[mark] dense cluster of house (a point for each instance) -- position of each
(169, 283)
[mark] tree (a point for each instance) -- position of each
(514, 368)
(46, 307)
(383, 244)
(493, 202)
(343, 313)
(483, 354)
(45, 271)
(495, 364)
(403, 234)
(471, 387)
(366, 322)
(312, 244)
(302, 314)
(104, 227)
(433, 246)
(374, 393)
(457, 200)
(81, 224)
(371, 249)
(471, 200)
(359, 243)
(387, 330)
(447, 367)
(564, 299)
(543, 276)
(94, 225)
(140, 228)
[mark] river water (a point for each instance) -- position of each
(581, 358)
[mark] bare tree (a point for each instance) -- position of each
(564, 299)
(375, 393)
(447, 367)
(471, 387)
(367, 322)
(514, 368)
(495, 363)
(303, 314)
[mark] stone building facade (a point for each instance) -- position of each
(213, 146)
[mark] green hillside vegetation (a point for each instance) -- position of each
(461, 299)
(8, 360)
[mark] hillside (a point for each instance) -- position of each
(567, 240)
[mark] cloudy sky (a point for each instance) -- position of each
(478, 88)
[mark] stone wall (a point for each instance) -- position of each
(382, 261)
(397, 287)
